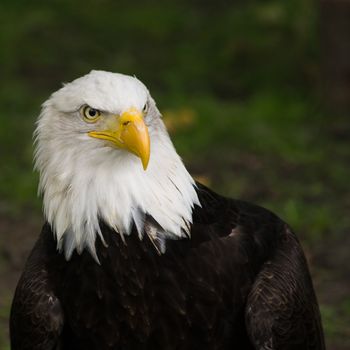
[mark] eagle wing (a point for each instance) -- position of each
(282, 310)
(36, 319)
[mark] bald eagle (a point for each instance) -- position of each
(135, 254)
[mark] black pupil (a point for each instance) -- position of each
(92, 112)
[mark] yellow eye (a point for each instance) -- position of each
(91, 115)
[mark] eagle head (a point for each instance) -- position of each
(103, 154)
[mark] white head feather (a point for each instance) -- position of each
(84, 180)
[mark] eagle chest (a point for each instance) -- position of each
(153, 299)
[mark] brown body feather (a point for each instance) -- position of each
(240, 282)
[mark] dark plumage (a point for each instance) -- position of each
(240, 282)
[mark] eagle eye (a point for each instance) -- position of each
(145, 108)
(90, 115)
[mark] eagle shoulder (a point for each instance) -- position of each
(282, 310)
(36, 320)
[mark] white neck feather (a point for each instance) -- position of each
(81, 185)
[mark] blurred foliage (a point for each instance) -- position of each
(249, 58)
(4, 312)
(237, 82)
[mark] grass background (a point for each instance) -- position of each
(239, 85)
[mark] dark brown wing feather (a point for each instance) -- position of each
(282, 311)
(36, 315)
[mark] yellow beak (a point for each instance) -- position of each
(129, 132)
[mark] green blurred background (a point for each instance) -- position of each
(255, 95)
